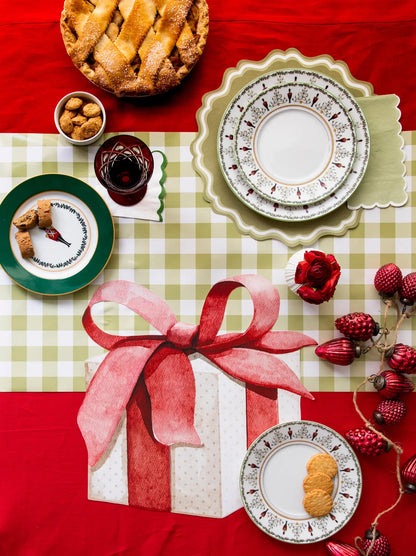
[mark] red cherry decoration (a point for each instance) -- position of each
(340, 351)
(391, 384)
(408, 475)
(337, 548)
(388, 280)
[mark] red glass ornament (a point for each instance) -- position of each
(388, 279)
(390, 412)
(391, 384)
(402, 358)
(340, 351)
(407, 290)
(381, 546)
(366, 441)
(408, 475)
(357, 326)
(341, 549)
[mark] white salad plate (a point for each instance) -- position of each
(295, 143)
(271, 481)
(236, 179)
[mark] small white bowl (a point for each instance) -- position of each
(60, 108)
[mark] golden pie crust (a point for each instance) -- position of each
(135, 47)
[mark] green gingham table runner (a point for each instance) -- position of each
(43, 345)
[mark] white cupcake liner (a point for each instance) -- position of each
(290, 269)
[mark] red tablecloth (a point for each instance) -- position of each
(376, 38)
(43, 465)
(44, 508)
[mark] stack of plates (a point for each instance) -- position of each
(293, 145)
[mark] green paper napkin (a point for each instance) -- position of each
(383, 183)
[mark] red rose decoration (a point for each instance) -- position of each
(318, 275)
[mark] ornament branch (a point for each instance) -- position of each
(361, 334)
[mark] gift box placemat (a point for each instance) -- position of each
(199, 480)
(167, 418)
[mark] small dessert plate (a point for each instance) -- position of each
(271, 481)
(295, 143)
(73, 251)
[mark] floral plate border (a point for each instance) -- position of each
(319, 102)
(346, 495)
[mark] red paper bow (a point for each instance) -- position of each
(162, 360)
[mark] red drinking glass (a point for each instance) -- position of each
(124, 165)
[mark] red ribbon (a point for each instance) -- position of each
(162, 360)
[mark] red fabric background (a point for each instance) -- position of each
(376, 38)
(43, 464)
(44, 509)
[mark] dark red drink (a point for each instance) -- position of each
(125, 172)
(124, 165)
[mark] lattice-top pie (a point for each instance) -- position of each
(135, 47)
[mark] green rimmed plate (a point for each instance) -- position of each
(74, 251)
(271, 481)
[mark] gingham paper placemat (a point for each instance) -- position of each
(43, 345)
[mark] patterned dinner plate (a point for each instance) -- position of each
(73, 251)
(295, 143)
(271, 481)
(231, 169)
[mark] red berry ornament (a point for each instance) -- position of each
(391, 384)
(407, 290)
(357, 326)
(366, 441)
(388, 279)
(341, 549)
(381, 546)
(402, 359)
(408, 475)
(340, 351)
(390, 412)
